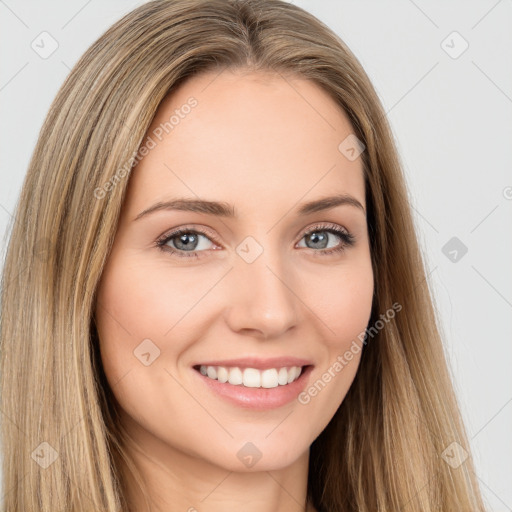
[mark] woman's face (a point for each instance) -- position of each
(258, 283)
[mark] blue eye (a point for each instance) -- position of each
(319, 235)
(186, 242)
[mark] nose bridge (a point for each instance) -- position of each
(263, 294)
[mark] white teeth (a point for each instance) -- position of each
(251, 377)
(293, 373)
(235, 376)
(222, 374)
(269, 378)
(211, 371)
(282, 376)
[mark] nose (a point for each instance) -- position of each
(261, 298)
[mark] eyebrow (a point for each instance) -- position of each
(223, 209)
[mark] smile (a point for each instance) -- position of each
(255, 383)
(252, 377)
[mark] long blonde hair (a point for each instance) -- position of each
(383, 449)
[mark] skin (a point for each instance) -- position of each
(264, 144)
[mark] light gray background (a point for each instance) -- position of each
(452, 119)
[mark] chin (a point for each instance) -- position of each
(254, 456)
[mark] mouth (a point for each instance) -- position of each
(256, 384)
(248, 377)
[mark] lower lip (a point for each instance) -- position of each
(258, 398)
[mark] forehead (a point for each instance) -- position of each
(250, 138)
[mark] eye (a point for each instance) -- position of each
(183, 241)
(187, 242)
(320, 236)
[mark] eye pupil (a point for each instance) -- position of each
(187, 240)
(316, 238)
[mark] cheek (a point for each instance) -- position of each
(150, 297)
(141, 307)
(132, 317)
(344, 307)
(126, 315)
(343, 301)
(137, 301)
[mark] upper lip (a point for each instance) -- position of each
(258, 363)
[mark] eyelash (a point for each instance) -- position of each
(347, 240)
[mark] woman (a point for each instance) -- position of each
(203, 167)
